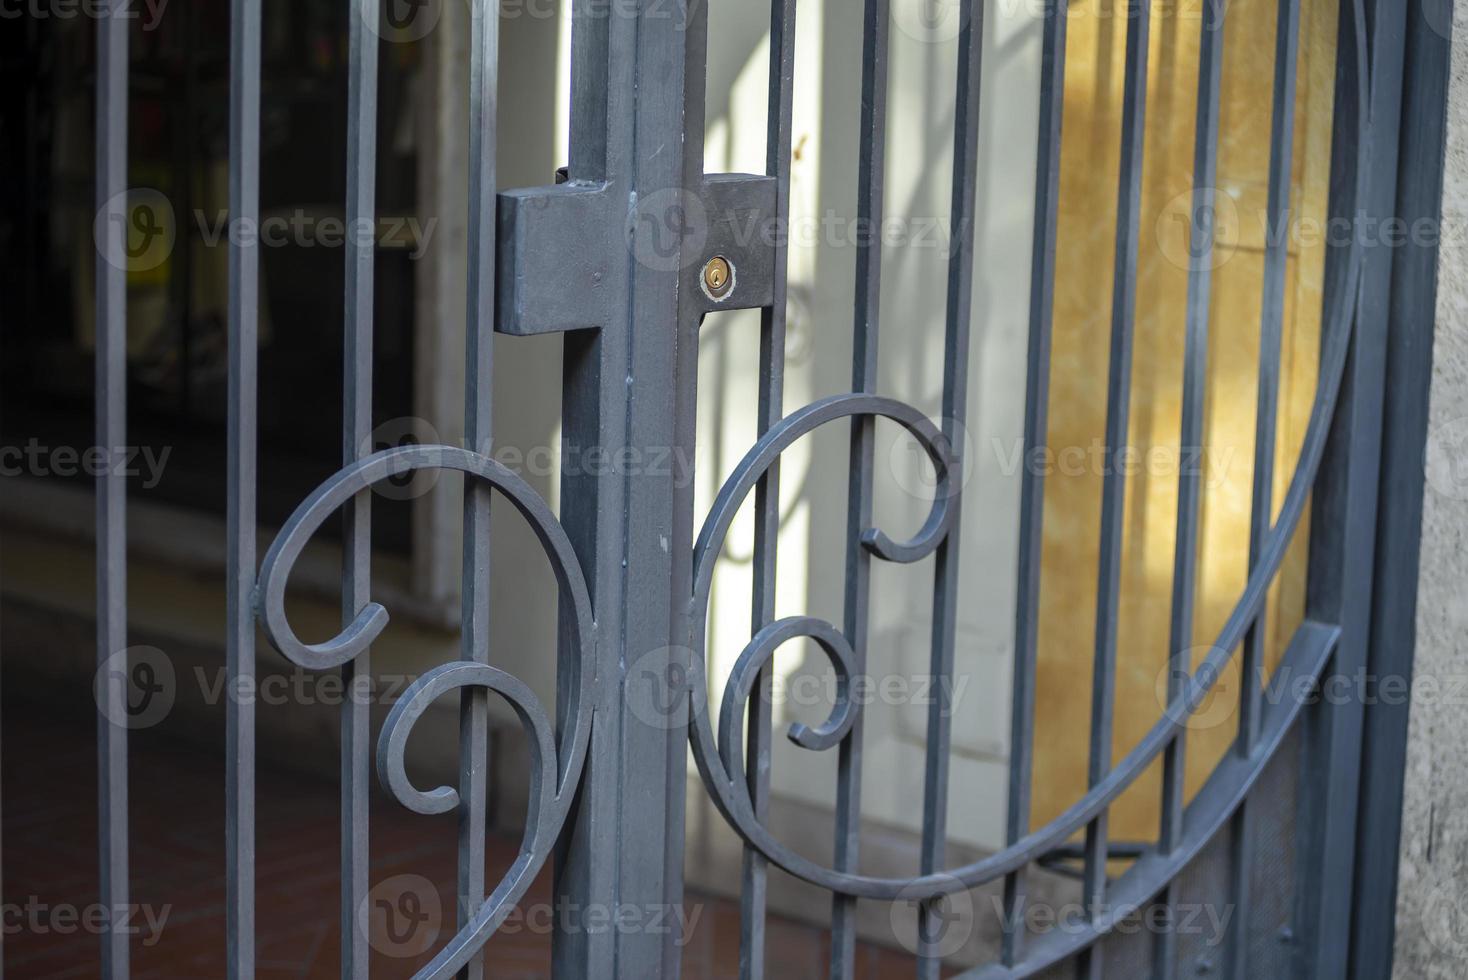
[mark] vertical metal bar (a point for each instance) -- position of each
(356, 715)
(1271, 332)
(637, 124)
(2, 875)
(654, 379)
(1118, 398)
(1344, 505)
(753, 895)
(1201, 242)
(1261, 518)
(593, 414)
(1032, 480)
(244, 305)
(478, 431)
(871, 178)
(946, 572)
(684, 410)
(185, 139)
(111, 374)
(2, 889)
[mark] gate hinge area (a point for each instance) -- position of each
(560, 249)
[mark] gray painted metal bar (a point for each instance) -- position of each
(657, 321)
(356, 712)
(683, 403)
(1271, 332)
(1410, 338)
(244, 309)
(1343, 517)
(753, 893)
(1032, 478)
(585, 872)
(876, 20)
(1201, 244)
(946, 573)
(1118, 399)
(478, 434)
(627, 386)
(111, 419)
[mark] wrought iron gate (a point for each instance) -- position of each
(626, 257)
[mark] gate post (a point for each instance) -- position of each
(603, 258)
(1344, 519)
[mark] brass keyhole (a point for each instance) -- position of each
(718, 277)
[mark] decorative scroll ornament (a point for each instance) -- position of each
(554, 769)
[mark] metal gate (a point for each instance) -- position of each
(626, 256)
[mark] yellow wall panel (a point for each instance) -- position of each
(1084, 262)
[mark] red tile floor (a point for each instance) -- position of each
(177, 855)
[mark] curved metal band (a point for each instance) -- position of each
(731, 796)
(1227, 787)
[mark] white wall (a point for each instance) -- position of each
(813, 535)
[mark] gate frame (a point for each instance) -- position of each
(615, 143)
(587, 258)
(1419, 129)
(1363, 483)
